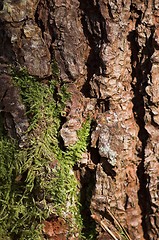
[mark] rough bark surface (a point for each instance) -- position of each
(107, 52)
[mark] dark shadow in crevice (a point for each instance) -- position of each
(88, 181)
(39, 23)
(95, 157)
(94, 28)
(109, 11)
(141, 71)
(6, 51)
(3, 132)
(133, 9)
(94, 152)
(1, 5)
(144, 198)
(108, 168)
(103, 105)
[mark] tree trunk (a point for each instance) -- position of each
(107, 55)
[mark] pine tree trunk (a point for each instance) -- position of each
(107, 55)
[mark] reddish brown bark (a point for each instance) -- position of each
(107, 51)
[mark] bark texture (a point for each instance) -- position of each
(107, 52)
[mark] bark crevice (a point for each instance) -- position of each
(95, 31)
(87, 182)
(141, 74)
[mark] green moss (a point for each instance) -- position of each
(31, 189)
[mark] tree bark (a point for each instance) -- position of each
(107, 53)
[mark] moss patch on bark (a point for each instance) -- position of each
(37, 180)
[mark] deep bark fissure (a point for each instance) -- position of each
(108, 168)
(103, 105)
(6, 52)
(87, 182)
(39, 23)
(141, 72)
(95, 31)
(1, 5)
(46, 24)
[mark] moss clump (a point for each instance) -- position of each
(18, 210)
(38, 181)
